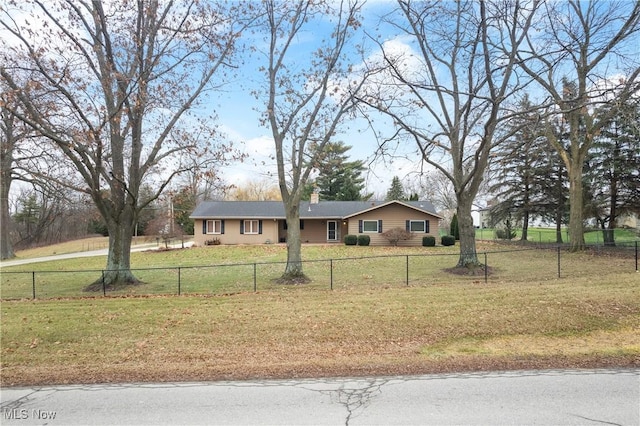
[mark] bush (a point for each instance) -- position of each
(448, 240)
(505, 234)
(364, 240)
(213, 242)
(429, 241)
(350, 240)
(396, 235)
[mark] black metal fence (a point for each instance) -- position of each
(515, 265)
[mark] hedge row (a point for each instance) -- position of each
(427, 241)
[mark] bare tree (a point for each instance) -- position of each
(581, 55)
(309, 92)
(11, 134)
(447, 94)
(22, 158)
(256, 190)
(123, 77)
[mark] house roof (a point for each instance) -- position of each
(321, 210)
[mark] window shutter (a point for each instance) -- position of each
(259, 227)
(380, 226)
(360, 227)
(204, 227)
(426, 226)
(242, 226)
(222, 226)
(301, 224)
(407, 225)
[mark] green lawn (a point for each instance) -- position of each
(292, 332)
(548, 235)
(371, 323)
(233, 269)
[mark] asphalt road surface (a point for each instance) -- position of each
(554, 397)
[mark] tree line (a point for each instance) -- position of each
(113, 100)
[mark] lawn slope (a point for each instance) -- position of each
(292, 332)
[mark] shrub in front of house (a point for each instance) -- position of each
(448, 240)
(364, 240)
(429, 241)
(396, 235)
(213, 242)
(350, 240)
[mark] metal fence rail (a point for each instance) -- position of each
(513, 266)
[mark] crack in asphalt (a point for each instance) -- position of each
(355, 398)
(18, 403)
(597, 421)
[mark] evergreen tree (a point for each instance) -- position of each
(454, 230)
(396, 191)
(338, 179)
(612, 172)
(527, 173)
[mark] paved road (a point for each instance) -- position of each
(567, 397)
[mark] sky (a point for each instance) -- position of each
(239, 120)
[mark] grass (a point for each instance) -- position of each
(548, 235)
(81, 245)
(231, 269)
(372, 323)
(289, 333)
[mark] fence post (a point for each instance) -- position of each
(179, 281)
(33, 282)
(407, 270)
(331, 273)
(255, 282)
(104, 286)
(486, 268)
(636, 256)
(558, 261)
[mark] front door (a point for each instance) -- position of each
(332, 230)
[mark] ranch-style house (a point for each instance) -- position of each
(264, 222)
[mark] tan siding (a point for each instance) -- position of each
(394, 216)
(315, 230)
(232, 233)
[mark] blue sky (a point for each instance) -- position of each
(239, 119)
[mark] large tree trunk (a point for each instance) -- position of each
(468, 254)
(293, 273)
(560, 208)
(609, 233)
(6, 163)
(576, 225)
(6, 247)
(525, 226)
(117, 272)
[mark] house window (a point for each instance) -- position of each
(418, 226)
(251, 227)
(369, 226)
(214, 227)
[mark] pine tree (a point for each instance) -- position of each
(396, 191)
(612, 171)
(338, 179)
(522, 172)
(454, 230)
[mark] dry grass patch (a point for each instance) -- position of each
(296, 333)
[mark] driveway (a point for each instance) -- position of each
(559, 397)
(92, 253)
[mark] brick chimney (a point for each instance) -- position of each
(315, 196)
